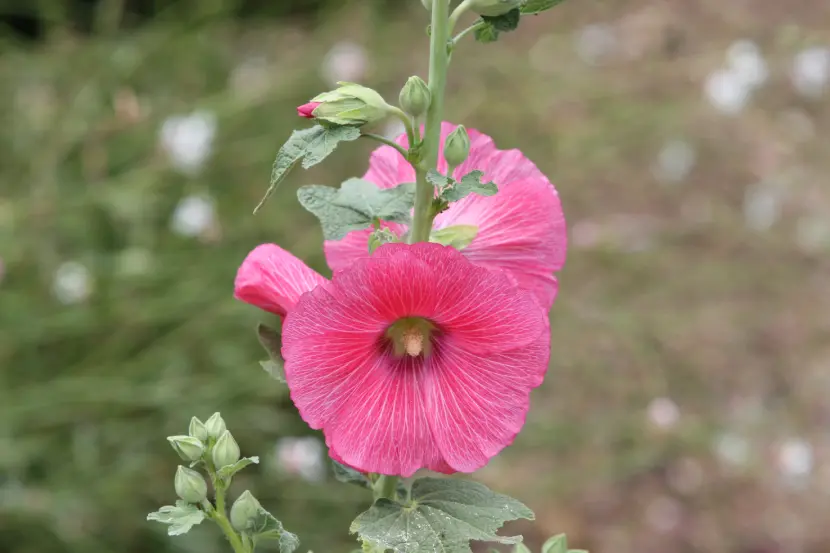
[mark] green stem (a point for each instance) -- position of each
(407, 123)
(457, 13)
(386, 487)
(438, 62)
(472, 28)
(384, 140)
(220, 517)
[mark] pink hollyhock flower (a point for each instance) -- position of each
(307, 110)
(411, 358)
(521, 229)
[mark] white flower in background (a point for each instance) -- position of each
(595, 43)
(795, 458)
(72, 283)
(663, 514)
(810, 72)
(193, 216)
(346, 61)
(732, 449)
(727, 91)
(188, 140)
(301, 456)
(393, 129)
(762, 207)
(663, 413)
(251, 79)
(812, 233)
(745, 60)
(674, 162)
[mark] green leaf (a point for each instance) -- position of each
(226, 472)
(271, 341)
(521, 548)
(469, 184)
(356, 205)
(556, 544)
(492, 27)
(309, 145)
(457, 236)
(506, 22)
(266, 527)
(486, 33)
(349, 475)
(443, 515)
(382, 236)
(438, 180)
(179, 518)
(538, 6)
(275, 370)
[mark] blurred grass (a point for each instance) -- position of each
(667, 293)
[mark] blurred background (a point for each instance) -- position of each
(686, 408)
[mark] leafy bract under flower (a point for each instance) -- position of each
(449, 405)
(521, 230)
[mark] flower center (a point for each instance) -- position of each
(410, 336)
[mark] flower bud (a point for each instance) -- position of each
(307, 110)
(190, 485)
(226, 451)
(188, 447)
(244, 511)
(215, 425)
(457, 147)
(197, 429)
(494, 8)
(350, 104)
(415, 97)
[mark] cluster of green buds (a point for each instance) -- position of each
(210, 447)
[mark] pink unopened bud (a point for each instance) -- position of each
(307, 110)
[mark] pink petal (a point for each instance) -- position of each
(478, 404)
(273, 279)
(521, 229)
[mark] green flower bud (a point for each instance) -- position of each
(415, 97)
(226, 451)
(190, 485)
(197, 429)
(188, 447)
(457, 146)
(351, 104)
(494, 8)
(215, 425)
(244, 511)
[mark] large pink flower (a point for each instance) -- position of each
(412, 358)
(521, 229)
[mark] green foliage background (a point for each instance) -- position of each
(666, 293)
